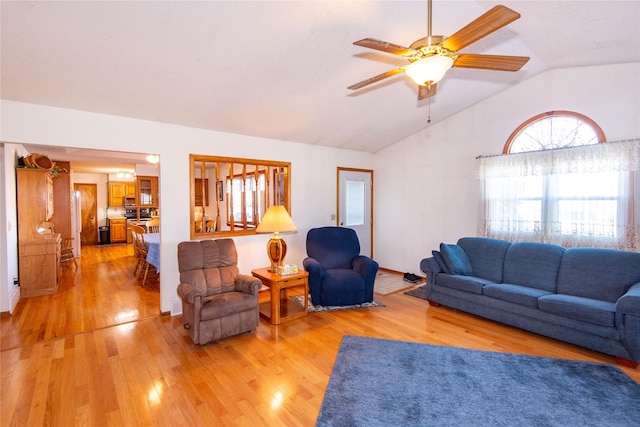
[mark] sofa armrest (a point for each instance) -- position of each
(431, 268)
(629, 303)
(248, 284)
(189, 292)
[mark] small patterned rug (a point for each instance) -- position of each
(388, 282)
(316, 308)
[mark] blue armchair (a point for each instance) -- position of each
(338, 274)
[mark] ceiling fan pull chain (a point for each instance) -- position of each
(429, 113)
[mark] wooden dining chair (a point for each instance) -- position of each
(139, 248)
(66, 252)
(153, 225)
(146, 267)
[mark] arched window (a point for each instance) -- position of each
(557, 184)
(554, 129)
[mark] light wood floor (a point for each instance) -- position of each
(62, 363)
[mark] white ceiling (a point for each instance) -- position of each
(280, 69)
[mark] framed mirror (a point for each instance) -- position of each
(229, 195)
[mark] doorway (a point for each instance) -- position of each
(355, 205)
(88, 213)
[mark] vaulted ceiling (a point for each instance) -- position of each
(281, 69)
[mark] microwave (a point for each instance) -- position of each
(129, 201)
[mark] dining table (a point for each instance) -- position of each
(152, 240)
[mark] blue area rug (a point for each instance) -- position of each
(378, 382)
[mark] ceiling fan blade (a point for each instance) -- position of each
(494, 19)
(426, 91)
(490, 62)
(376, 78)
(385, 47)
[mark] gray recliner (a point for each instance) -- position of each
(217, 301)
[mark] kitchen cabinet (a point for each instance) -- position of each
(119, 190)
(118, 230)
(147, 188)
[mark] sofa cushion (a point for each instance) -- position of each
(515, 293)
(486, 256)
(602, 274)
(469, 284)
(456, 260)
(534, 265)
(438, 257)
(584, 309)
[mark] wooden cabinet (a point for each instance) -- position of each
(147, 187)
(39, 262)
(33, 188)
(118, 230)
(119, 190)
(62, 193)
(38, 254)
(199, 188)
(130, 189)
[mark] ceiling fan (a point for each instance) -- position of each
(430, 57)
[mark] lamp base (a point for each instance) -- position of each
(276, 249)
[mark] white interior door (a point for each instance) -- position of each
(355, 188)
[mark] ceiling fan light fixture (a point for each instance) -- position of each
(429, 70)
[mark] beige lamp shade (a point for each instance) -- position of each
(276, 220)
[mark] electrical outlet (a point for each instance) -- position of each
(333, 217)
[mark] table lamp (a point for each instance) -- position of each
(276, 220)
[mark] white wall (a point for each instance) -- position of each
(425, 187)
(425, 190)
(313, 172)
(9, 294)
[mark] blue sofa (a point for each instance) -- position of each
(585, 296)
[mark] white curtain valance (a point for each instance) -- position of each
(605, 157)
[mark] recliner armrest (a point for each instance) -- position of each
(248, 284)
(365, 265)
(313, 267)
(189, 292)
(629, 303)
(316, 273)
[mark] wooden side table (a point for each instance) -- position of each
(280, 308)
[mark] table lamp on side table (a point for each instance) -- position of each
(276, 220)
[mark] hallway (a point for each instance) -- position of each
(101, 292)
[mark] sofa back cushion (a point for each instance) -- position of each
(601, 274)
(535, 265)
(210, 265)
(486, 256)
